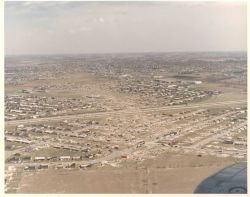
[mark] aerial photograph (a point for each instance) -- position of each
(125, 97)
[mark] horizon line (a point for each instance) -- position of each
(110, 53)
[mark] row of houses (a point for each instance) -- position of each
(57, 166)
(173, 93)
(31, 106)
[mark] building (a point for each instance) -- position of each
(65, 158)
(43, 166)
(39, 158)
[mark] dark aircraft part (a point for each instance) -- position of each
(232, 179)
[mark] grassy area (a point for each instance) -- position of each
(50, 152)
(13, 145)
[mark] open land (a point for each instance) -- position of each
(122, 123)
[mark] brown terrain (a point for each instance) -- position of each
(124, 129)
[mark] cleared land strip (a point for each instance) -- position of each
(96, 114)
(216, 136)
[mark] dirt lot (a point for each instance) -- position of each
(169, 173)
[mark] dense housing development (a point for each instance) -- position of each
(106, 114)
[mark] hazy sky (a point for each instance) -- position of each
(106, 27)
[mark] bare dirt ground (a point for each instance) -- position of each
(168, 173)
